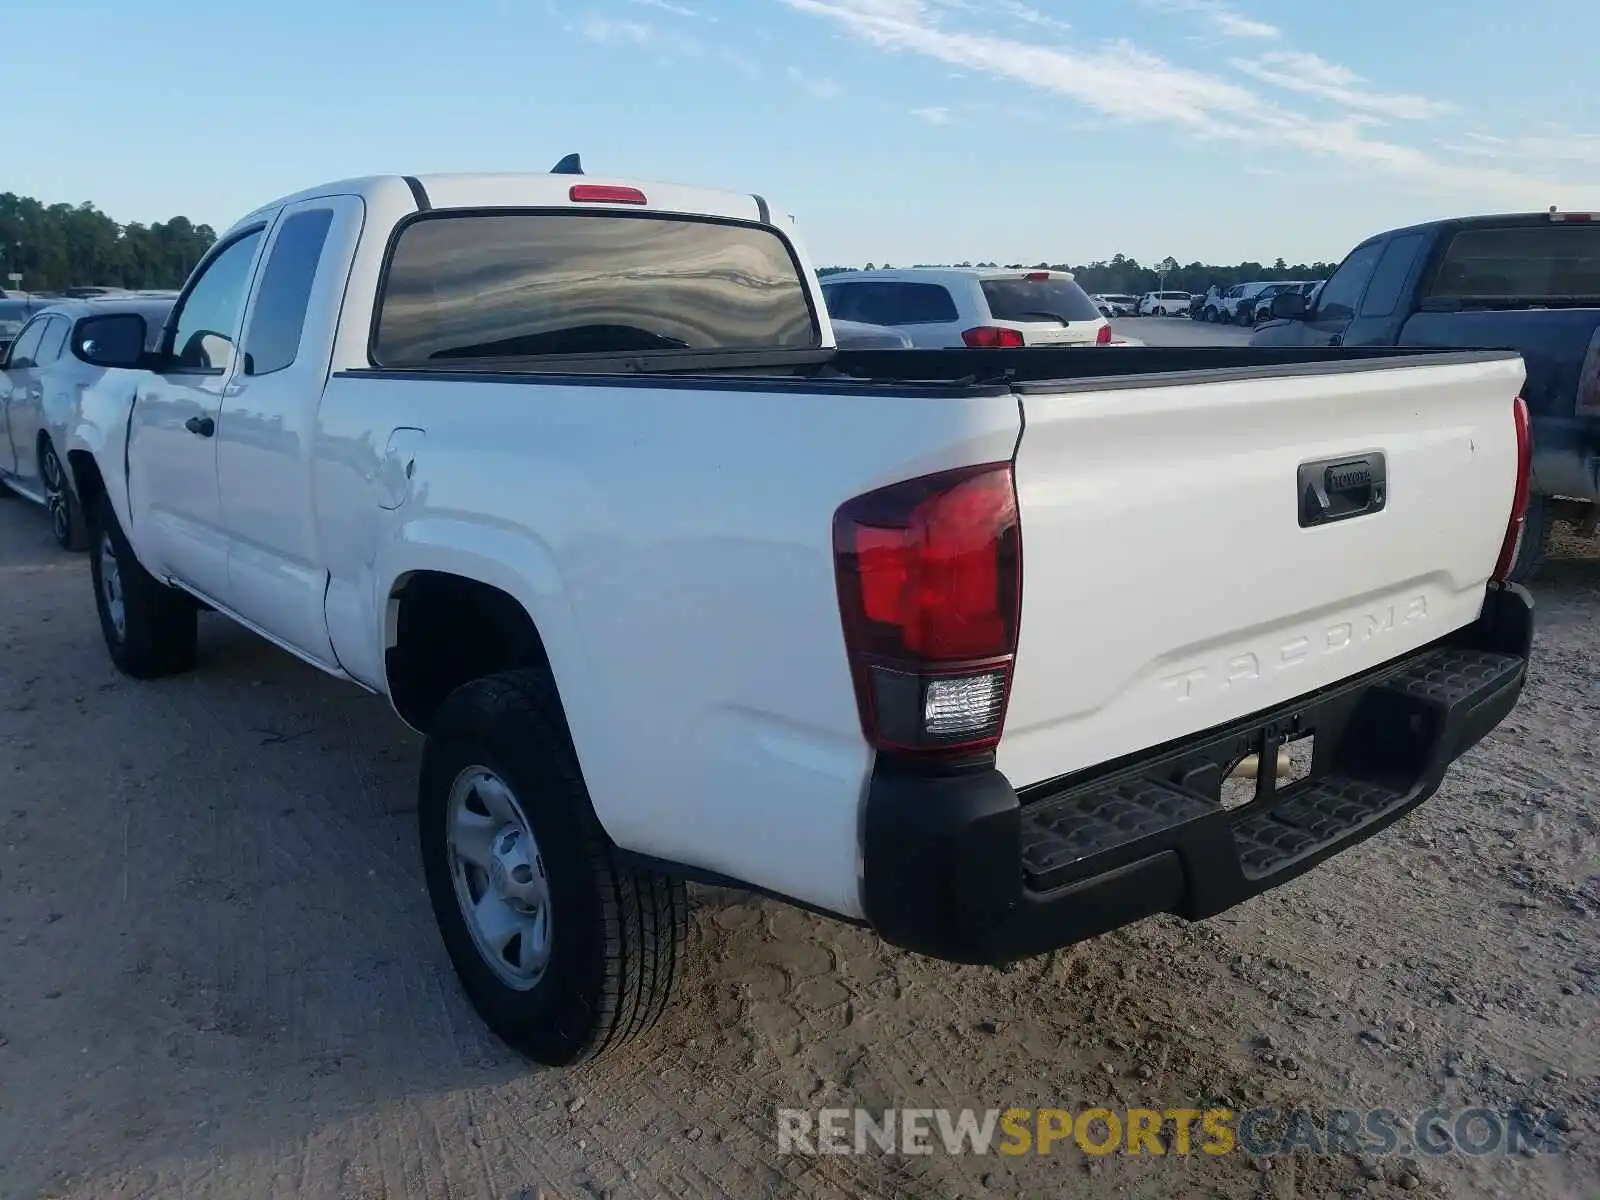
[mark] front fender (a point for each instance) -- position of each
(98, 426)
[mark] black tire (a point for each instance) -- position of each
(616, 931)
(1534, 548)
(158, 630)
(68, 523)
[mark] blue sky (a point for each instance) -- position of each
(895, 130)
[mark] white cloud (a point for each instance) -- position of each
(665, 6)
(818, 87)
(1029, 15)
(1554, 146)
(1125, 82)
(1310, 75)
(933, 116)
(637, 33)
(1219, 18)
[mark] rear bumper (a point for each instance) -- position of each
(960, 866)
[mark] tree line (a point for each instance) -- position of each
(58, 245)
(1122, 274)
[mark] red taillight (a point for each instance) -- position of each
(1578, 217)
(1519, 501)
(605, 193)
(1037, 276)
(992, 337)
(1102, 336)
(930, 588)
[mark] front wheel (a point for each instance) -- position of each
(564, 950)
(67, 520)
(150, 629)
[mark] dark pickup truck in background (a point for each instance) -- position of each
(1528, 282)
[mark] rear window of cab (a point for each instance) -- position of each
(468, 286)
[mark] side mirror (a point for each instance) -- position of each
(1289, 306)
(112, 340)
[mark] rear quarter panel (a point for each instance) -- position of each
(674, 547)
(1552, 343)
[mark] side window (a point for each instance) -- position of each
(908, 304)
(53, 342)
(871, 303)
(25, 350)
(209, 319)
(925, 303)
(279, 315)
(1383, 294)
(840, 300)
(1339, 296)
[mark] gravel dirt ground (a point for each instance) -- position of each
(219, 976)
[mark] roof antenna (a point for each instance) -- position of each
(570, 165)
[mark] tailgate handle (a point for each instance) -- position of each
(1336, 489)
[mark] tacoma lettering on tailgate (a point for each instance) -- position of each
(1249, 666)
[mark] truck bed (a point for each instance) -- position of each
(1168, 583)
(950, 371)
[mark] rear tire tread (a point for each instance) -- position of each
(642, 914)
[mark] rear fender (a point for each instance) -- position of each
(525, 569)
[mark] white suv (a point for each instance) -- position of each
(964, 306)
(1164, 304)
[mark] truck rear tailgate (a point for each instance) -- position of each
(1176, 577)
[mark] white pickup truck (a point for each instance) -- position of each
(957, 644)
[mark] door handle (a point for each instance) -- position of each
(1336, 489)
(200, 426)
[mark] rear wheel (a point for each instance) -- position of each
(150, 628)
(67, 520)
(1534, 547)
(564, 950)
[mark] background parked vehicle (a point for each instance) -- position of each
(1164, 304)
(854, 335)
(44, 377)
(1116, 304)
(1238, 304)
(15, 312)
(1261, 310)
(1529, 282)
(92, 291)
(939, 307)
